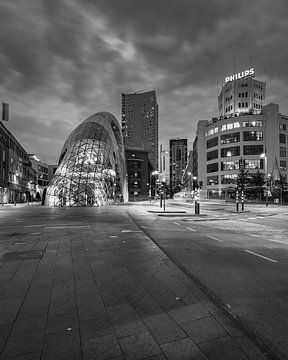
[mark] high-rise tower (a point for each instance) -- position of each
(140, 123)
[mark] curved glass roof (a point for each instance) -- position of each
(91, 170)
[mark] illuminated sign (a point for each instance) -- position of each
(240, 75)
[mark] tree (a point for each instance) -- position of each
(257, 179)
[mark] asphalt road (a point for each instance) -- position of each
(240, 259)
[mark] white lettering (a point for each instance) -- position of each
(239, 75)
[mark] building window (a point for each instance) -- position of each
(212, 180)
(230, 138)
(255, 123)
(283, 165)
(252, 135)
(228, 179)
(252, 149)
(282, 138)
(230, 151)
(211, 155)
(212, 142)
(254, 164)
(282, 151)
(229, 165)
(212, 167)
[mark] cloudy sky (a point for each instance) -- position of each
(64, 60)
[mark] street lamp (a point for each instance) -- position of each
(263, 155)
(189, 184)
(196, 195)
(153, 173)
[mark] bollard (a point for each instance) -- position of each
(237, 200)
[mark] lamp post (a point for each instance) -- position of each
(264, 155)
(189, 184)
(153, 173)
(196, 195)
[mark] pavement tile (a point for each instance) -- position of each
(104, 347)
(163, 328)
(4, 332)
(20, 343)
(85, 287)
(113, 295)
(61, 322)
(204, 330)
(62, 346)
(183, 349)
(139, 346)
(95, 327)
(223, 348)
(125, 320)
(156, 357)
(249, 348)
(143, 303)
(25, 322)
(89, 306)
(36, 301)
(28, 356)
(186, 313)
(9, 308)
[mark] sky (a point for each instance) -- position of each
(62, 61)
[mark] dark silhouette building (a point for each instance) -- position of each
(140, 123)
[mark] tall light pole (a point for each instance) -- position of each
(153, 173)
(264, 155)
(189, 183)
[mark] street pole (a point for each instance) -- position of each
(237, 200)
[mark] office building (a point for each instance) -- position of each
(241, 94)
(18, 179)
(178, 162)
(42, 175)
(253, 137)
(140, 123)
(92, 169)
(138, 172)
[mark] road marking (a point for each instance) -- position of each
(212, 237)
(31, 225)
(261, 256)
(131, 231)
(190, 229)
(176, 223)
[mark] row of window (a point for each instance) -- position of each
(235, 137)
(234, 165)
(234, 125)
(235, 151)
(227, 179)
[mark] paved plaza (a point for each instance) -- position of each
(88, 283)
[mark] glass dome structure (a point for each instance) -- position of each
(91, 170)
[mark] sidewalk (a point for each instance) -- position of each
(87, 283)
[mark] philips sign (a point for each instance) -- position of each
(240, 75)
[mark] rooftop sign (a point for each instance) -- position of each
(240, 75)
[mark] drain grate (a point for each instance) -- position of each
(22, 255)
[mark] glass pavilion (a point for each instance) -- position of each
(91, 170)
